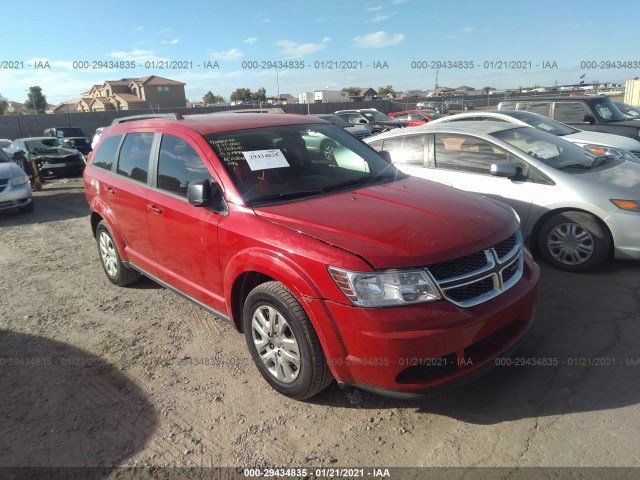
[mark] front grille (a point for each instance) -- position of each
(3, 183)
(481, 276)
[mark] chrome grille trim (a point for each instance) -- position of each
(503, 269)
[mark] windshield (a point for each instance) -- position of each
(285, 163)
(4, 157)
(549, 149)
(43, 144)
(608, 111)
(69, 132)
(541, 123)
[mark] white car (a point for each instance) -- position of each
(15, 187)
(599, 143)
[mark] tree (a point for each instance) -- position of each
(385, 91)
(259, 95)
(486, 90)
(36, 102)
(241, 95)
(209, 98)
(352, 91)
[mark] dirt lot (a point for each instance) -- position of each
(96, 375)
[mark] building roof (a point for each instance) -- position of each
(155, 80)
(129, 98)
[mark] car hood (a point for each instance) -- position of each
(9, 170)
(406, 223)
(56, 153)
(624, 175)
(606, 139)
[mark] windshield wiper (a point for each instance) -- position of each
(575, 165)
(287, 195)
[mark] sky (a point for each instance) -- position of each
(288, 46)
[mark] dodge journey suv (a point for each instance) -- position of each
(333, 266)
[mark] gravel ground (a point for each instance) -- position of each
(96, 375)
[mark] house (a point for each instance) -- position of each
(150, 91)
(368, 93)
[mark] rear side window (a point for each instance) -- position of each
(571, 112)
(134, 156)
(179, 164)
(105, 156)
(541, 108)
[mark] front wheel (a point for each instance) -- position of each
(574, 241)
(283, 343)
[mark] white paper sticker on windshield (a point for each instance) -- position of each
(265, 159)
(543, 152)
(544, 126)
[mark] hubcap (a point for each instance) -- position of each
(276, 344)
(327, 150)
(108, 254)
(570, 244)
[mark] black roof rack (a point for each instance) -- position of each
(168, 116)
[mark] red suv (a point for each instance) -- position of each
(334, 266)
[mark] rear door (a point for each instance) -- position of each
(185, 237)
(125, 189)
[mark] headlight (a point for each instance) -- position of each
(611, 152)
(630, 205)
(19, 180)
(386, 288)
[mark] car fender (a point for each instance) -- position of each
(98, 206)
(282, 269)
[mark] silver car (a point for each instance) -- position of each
(576, 207)
(15, 187)
(597, 142)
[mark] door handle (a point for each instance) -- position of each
(154, 209)
(109, 190)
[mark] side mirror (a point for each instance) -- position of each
(206, 193)
(385, 155)
(589, 119)
(508, 170)
(361, 121)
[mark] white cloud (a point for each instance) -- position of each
(468, 29)
(398, 2)
(232, 54)
(378, 40)
(170, 42)
(163, 31)
(137, 55)
(250, 40)
(138, 29)
(373, 9)
(326, 39)
(379, 18)
(295, 50)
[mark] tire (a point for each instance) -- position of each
(116, 271)
(326, 149)
(283, 343)
(574, 241)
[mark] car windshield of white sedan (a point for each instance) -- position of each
(286, 163)
(547, 148)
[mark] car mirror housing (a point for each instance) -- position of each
(386, 155)
(199, 193)
(504, 170)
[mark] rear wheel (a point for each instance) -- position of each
(574, 241)
(283, 343)
(117, 272)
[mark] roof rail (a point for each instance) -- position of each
(167, 116)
